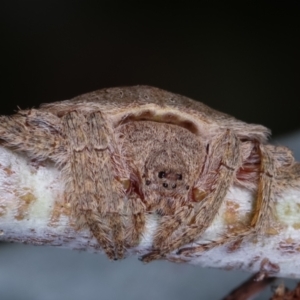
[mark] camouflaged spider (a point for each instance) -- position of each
(127, 152)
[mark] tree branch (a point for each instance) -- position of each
(33, 210)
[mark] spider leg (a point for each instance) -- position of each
(263, 211)
(264, 208)
(100, 229)
(135, 230)
(168, 226)
(91, 187)
(136, 220)
(225, 157)
(34, 132)
(116, 226)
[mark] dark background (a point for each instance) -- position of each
(242, 60)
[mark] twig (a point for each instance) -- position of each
(249, 288)
(33, 210)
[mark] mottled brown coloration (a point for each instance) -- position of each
(25, 201)
(267, 269)
(3, 210)
(128, 152)
(249, 289)
(288, 246)
(58, 210)
(283, 293)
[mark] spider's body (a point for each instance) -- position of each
(127, 152)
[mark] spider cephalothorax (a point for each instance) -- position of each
(128, 152)
(168, 167)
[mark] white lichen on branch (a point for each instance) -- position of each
(33, 210)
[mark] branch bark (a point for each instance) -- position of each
(33, 210)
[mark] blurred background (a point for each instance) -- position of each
(239, 59)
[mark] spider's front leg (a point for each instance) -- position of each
(95, 195)
(223, 159)
(137, 220)
(264, 213)
(264, 208)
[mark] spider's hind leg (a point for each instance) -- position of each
(33, 132)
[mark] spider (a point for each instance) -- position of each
(132, 151)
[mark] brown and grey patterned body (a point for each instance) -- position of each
(127, 152)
